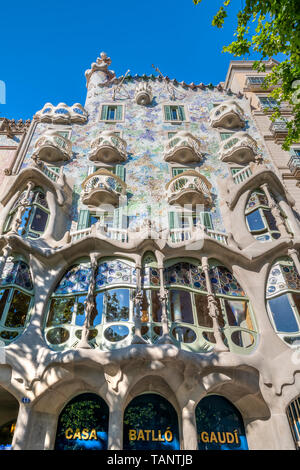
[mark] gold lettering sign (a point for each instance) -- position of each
(85, 434)
(150, 435)
(219, 437)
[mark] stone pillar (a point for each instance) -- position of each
(90, 306)
(115, 427)
(21, 209)
(21, 439)
(275, 212)
(213, 309)
(137, 337)
(189, 427)
(294, 255)
(6, 251)
(163, 297)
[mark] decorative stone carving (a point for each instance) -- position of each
(62, 113)
(183, 148)
(228, 115)
(102, 187)
(143, 93)
(52, 147)
(101, 65)
(240, 148)
(190, 187)
(108, 148)
(11, 127)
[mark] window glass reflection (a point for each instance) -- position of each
(117, 305)
(181, 306)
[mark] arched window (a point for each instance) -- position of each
(150, 423)
(16, 298)
(83, 424)
(112, 315)
(34, 217)
(260, 220)
(283, 299)
(9, 409)
(192, 325)
(219, 425)
(293, 414)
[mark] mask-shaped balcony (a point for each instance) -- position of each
(228, 115)
(52, 147)
(108, 148)
(143, 94)
(183, 147)
(190, 187)
(102, 187)
(240, 148)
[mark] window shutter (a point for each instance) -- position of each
(83, 219)
(54, 168)
(177, 171)
(167, 113)
(120, 172)
(205, 218)
(181, 113)
(120, 220)
(104, 112)
(174, 220)
(119, 113)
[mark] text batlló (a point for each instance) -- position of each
(219, 437)
(85, 434)
(149, 435)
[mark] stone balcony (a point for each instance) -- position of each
(228, 115)
(108, 148)
(143, 94)
(183, 147)
(52, 147)
(294, 166)
(255, 83)
(240, 148)
(279, 129)
(62, 114)
(190, 187)
(102, 187)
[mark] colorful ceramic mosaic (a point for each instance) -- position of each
(77, 279)
(17, 272)
(115, 272)
(283, 276)
(145, 131)
(186, 275)
(150, 277)
(223, 282)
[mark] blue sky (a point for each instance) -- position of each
(47, 46)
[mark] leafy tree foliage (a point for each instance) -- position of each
(270, 27)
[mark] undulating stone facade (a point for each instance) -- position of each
(150, 274)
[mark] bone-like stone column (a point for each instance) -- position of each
(213, 309)
(163, 297)
(189, 427)
(137, 337)
(90, 306)
(21, 209)
(115, 427)
(6, 251)
(275, 212)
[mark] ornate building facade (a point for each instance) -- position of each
(150, 274)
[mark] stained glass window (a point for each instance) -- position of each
(34, 217)
(259, 217)
(283, 293)
(16, 298)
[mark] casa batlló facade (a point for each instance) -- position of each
(150, 275)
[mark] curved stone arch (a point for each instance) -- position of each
(50, 404)
(260, 177)
(153, 384)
